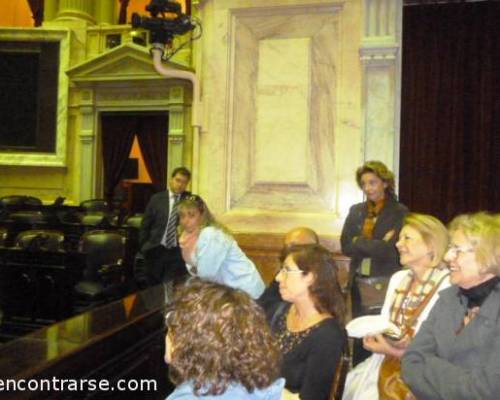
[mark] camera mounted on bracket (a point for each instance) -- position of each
(166, 21)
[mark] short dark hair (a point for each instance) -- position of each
(220, 336)
(183, 171)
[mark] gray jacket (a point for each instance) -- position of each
(439, 364)
(384, 255)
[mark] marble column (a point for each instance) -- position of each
(87, 138)
(76, 9)
(105, 12)
(50, 9)
(380, 54)
(176, 134)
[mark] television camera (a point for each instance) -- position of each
(166, 21)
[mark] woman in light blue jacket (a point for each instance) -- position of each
(211, 253)
(219, 346)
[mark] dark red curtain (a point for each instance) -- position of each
(450, 108)
(117, 138)
(36, 7)
(152, 135)
(122, 16)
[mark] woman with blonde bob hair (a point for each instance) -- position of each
(455, 354)
(219, 345)
(410, 296)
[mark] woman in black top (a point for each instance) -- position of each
(309, 323)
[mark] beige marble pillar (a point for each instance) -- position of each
(380, 54)
(176, 132)
(76, 9)
(105, 12)
(50, 9)
(87, 136)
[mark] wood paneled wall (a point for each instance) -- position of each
(264, 250)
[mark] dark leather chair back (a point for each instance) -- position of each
(101, 248)
(19, 200)
(32, 201)
(40, 239)
(103, 276)
(95, 205)
(134, 221)
(3, 236)
(26, 217)
(97, 219)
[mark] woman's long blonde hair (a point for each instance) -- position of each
(194, 201)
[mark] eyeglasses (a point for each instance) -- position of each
(287, 270)
(457, 250)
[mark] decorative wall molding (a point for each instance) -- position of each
(378, 56)
(124, 80)
(57, 159)
(298, 55)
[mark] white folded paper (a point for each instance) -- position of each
(371, 325)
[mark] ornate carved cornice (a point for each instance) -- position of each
(378, 55)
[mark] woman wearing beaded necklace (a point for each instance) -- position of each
(410, 295)
(309, 323)
(456, 353)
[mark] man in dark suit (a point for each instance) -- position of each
(157, 237)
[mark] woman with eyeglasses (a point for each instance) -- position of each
(211, 253)
(456, 353)
(411, 294)
(219, 346)
(309, 322)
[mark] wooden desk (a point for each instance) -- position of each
(121, 340)
(38, 285)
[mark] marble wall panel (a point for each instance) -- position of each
(283, 110)
(284, 73)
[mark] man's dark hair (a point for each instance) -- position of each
(183, 171)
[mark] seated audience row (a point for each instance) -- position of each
(456, 353)
(307, 325)
(213, 331)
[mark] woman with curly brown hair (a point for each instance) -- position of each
(219, 346)
(308, 323)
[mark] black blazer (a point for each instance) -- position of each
(155, 220)
(384, 255)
